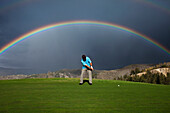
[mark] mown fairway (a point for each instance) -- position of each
(66, 96)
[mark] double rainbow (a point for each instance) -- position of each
(81, 22)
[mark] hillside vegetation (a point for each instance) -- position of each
(158, 74)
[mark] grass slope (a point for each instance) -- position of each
(65, 95)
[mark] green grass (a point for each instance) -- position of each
(66, 96)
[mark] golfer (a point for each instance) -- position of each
(87, 67)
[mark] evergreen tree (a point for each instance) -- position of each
(142, 78)
(125, 77)
(129, 78)
(132, 72)
(158, 79)
(162, 79)
(137, 70)
(121, 78)
(168, 79)
(154, 79)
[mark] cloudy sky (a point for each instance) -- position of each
(58, 48)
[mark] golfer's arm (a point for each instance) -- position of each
(88, 66)
(91, 63)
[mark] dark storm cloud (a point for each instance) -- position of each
(128, 13)
(115, 48)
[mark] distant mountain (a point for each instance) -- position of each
(112, 74)
(75, 73)
(12, 71)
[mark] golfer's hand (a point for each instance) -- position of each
(91, 68)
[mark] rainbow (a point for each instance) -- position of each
(154, 5)
(13, 4)
(80, 22)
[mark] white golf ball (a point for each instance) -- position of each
(118, 85)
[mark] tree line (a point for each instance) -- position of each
(155, 78)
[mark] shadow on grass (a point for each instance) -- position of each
(84, 81)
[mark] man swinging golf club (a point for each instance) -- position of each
(87, 67)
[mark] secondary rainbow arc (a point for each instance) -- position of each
(80, 22)
(22, 2)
